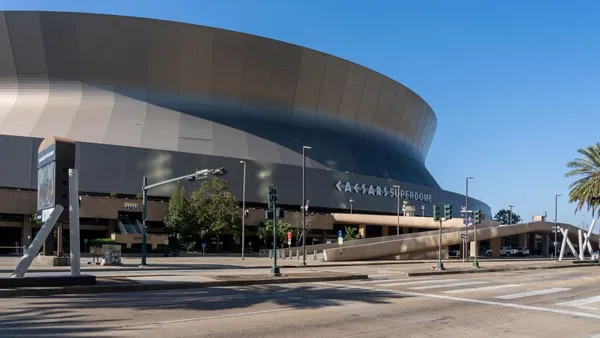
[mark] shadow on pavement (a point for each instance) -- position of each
(94, 314)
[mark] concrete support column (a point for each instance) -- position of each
(522, 240)
(362, 230)
(531, 243)
(324, 237)
(384, 230)
(495, 245)
(27, 232)
(445, 252)
(545, 243)
(112, 226)
(474, 249)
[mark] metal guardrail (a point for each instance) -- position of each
(18, 249)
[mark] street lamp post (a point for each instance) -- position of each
(304, 148)
(197, 175)
(510, 214)
(397, 187)
(555, 222)
(475, 261)
(351, 201)
(243, 210)
(422, 211)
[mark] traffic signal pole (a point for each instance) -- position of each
(272, 212)
(440, 264)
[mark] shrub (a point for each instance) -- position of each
(101, 241)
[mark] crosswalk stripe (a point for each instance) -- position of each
(418, 282)
(484, 288)
(382, 280)
(581, 302)
(532, 293)
(428, 287)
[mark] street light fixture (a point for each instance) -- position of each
(556, 223)
(351, 201)
(197, 175)
(397, 187)
(243, 209)
(304, 148)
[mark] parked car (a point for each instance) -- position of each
(508, 251)
(522, 251)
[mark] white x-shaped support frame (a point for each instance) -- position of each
(584, 242)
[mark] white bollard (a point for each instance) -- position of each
(270, 254)
(297, 254)
(315, 255)
(290, 251)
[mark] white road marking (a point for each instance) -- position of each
(381, 280)
(470, 300)
(484, 288)
(418, 282)
(239, 314)
(581, 302)
(428, 287)
(532, 293)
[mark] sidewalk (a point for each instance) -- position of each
(7, 264)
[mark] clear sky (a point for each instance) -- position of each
(515, 84)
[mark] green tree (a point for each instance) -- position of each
(215, 209)
(351, 233)
(585, 190)
(504, 215)
(180, 219)
(265, 231)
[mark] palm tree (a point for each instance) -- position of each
(351, 234)
(586, 189)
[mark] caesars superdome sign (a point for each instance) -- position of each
(375, 190)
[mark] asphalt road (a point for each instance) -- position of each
(543, 303)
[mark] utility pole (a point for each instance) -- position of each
(243, 210)
(510, 214)
(556, 223)
(304, 148)
(397, 186)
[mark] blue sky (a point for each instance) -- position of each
(514, 83)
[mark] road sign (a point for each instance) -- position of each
(339, 233)
(290, 238)
(203, 245)
(463, 235)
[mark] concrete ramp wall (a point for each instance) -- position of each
(430, 242)
(320, 247)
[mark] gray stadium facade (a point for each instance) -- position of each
(153, 98)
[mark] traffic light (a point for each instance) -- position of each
(477, 217)
(272, 197)
(436, 212)
(448, 211)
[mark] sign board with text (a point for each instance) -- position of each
(56, 155)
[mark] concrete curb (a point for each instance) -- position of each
(483, 270)
(150, 268)
(94, 289)
(211, 267)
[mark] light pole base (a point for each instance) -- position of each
(476, 263)
(440, 266)
(275, 272)
(143, 265)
